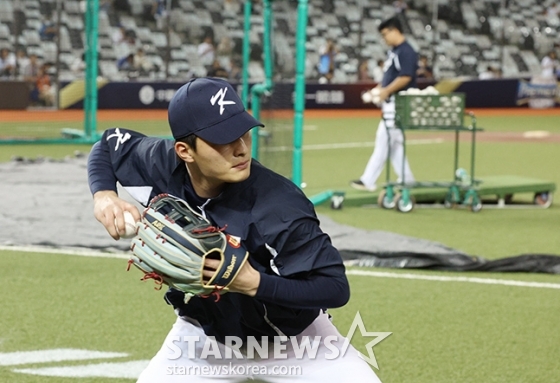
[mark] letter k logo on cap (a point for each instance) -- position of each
(219, 96)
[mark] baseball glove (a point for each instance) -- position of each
(172, 243)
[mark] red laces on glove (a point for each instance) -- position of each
(209, 229)
(156, 277)
(215, 293)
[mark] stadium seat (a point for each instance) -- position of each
(465, 30)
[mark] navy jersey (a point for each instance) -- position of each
(301, 272)
(402, 60)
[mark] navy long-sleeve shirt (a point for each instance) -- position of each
(301, 272)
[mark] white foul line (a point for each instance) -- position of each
(438, 278)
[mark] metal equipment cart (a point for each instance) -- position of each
(434, 112)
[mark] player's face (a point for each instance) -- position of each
(389, 35)
(213, 165)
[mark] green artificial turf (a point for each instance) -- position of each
(442, 331)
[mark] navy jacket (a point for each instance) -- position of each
(301, 272)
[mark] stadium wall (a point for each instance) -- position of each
(501, 93)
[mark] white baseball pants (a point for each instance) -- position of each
(172, 363)
(387, 137)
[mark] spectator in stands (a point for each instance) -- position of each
(424, 69)
(217, 70)
(7, 63)
(78, 66)
(206, 51)
(225, 47)
(142, 62)
(159, 12)
(44, 92)
(400, 74)
(126, 63)
(48, 30)
(378, 71)
(488, 74)
(119, 35)
(327, 55)
(21, 62)
(549, 64)
(363, 72)
(497, 72)
(31, 71)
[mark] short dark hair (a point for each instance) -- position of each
(189, 140)
(392, 23)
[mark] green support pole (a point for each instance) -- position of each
(246, 53)
(259, 89)
(299, 102)
(89, 134)
(336, 197)
(92, 21)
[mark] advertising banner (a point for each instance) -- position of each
(499, 93)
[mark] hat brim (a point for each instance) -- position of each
(230, 129)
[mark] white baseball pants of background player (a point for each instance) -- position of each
(172, 363)
(387, 137)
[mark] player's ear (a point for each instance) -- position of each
(184, 151)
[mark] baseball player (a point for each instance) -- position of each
(399, 73)
(293, 274)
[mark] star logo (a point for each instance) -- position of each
(379, 337)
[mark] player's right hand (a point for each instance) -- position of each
(108, 209)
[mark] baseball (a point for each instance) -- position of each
(366, 97)
(130, 225)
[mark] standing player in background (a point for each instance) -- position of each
(399, 74)
(293, 273)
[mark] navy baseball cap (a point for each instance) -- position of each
(210, 109)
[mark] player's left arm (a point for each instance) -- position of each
(307, 270)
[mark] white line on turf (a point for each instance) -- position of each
(124, 370)
(349, 145)
(439, 278)
(377, 274)
(56, 355)
(67, 251)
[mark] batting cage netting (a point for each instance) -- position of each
(276, 139)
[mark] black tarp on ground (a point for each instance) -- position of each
(530, 263)
(48, 203)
